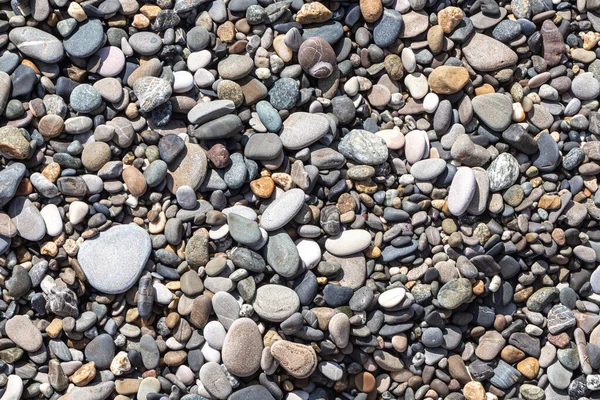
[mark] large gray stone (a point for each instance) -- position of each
(113, 261)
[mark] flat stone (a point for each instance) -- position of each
(485, 53)
(281, 254)
(235, 67)
(298, 360)
(120, 253)
(208, 111)
(87, 39)
(242, 349)
(188, 169)
(101, 350)
(282, 210)
(348, 242)
(275, 303)
(428, 169)
(37, 44)
(353, 269)
(302, 129)
(27, 219)
(21, 330)
(494, 109)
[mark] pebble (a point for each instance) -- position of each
(302, 129)
(494, 109)
(24, 334)
(275, 303)
(265, 200)
(348, 242)
(123, 259)
(461, 191)
(242, 348)
(282, 210)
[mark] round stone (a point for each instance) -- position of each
(275, 303)
(317, 58)
(85, 98)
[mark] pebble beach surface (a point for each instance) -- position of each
(269, 200)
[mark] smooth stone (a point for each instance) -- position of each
(348, 242)
(416, 146)
(281, 254)
(52, 219)
(23, 333)
(265, 146)
(85, 98)
(302, 129)
(87, 39)
(428, 169)
(461, 191)
(242, 348)
(243, 230)
(585, 86)
(388, 27)
(220, 128)
(37, 44)
(188, 169)
(27, 219)
(120, 252)
(10, 177)
(235, 67)
(99, 391)
(352, 272)
(282, 210)
(485, 53)
(494, 109)
(145, 43)
(14, 388)
(275, 303)
(108, 61)
(101, 350)
(255, 392)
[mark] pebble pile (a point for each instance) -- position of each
(268, 200)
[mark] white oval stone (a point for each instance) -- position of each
(77, 212)
(14, 388)
(415, 147)
(348, 242)
(184, 81)
(417, 85)
(431, 102)
(309, 252)
(461, 191)
(52, 219)
(391, 298)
